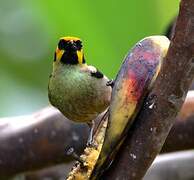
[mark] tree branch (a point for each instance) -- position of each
(152, 126)
(21, 135)
(177, 165)
(38, 140)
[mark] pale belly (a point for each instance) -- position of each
(79, 96)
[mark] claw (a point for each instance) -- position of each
(110, 83)
(71, 152)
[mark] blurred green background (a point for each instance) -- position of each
(29, 32)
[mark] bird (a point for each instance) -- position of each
(79, 91)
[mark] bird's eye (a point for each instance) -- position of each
(62, 43)
(79, 44)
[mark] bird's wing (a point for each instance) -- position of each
(93, 72)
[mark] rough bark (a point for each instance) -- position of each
(152, 126)
(38, 140)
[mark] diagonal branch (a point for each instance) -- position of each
(152, 126)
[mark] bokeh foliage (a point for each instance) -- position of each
(29, 32)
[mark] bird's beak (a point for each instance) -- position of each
(79, 52)
(73, 46)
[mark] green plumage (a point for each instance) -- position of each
(76, 93)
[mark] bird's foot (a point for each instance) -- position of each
(110, 83)
(90, 141)
(71, 152)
